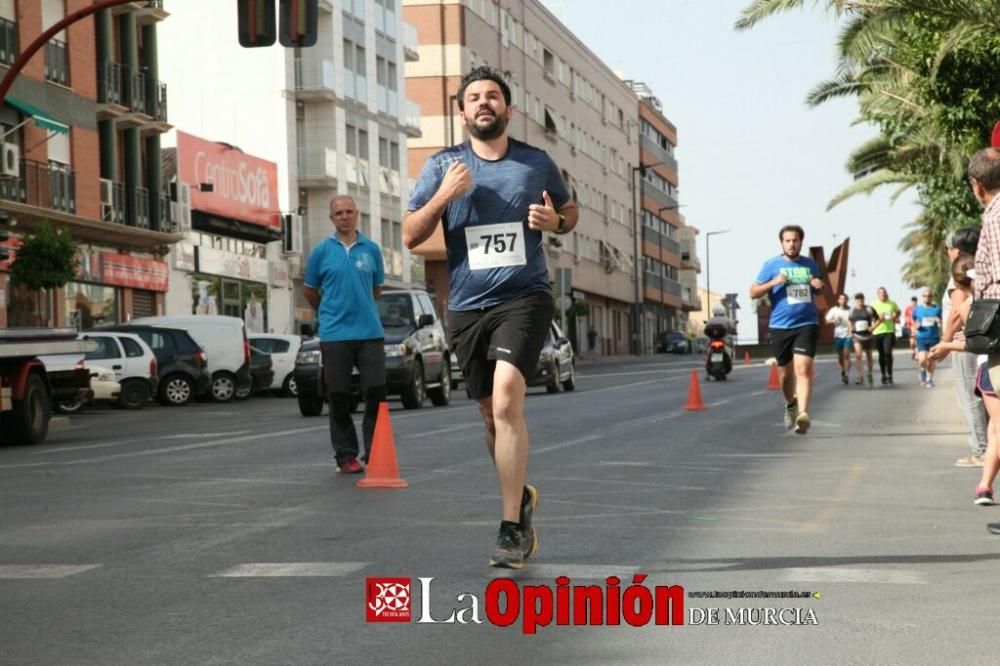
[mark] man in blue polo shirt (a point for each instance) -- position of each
(791, 280)
(343, 278)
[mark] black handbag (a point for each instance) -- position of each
(982, 328)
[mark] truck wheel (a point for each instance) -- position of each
(29, 418)
(310, 405)
(134, 394)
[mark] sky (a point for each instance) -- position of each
(752, 156)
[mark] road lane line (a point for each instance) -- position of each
(847, 575)
(574, 571)
(42, 571)
(87, 447)
(291, 569)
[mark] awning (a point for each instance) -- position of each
(42, 120)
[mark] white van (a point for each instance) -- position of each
(225, 342)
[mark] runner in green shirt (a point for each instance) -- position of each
(885, 333)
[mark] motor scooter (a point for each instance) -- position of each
(718, 358)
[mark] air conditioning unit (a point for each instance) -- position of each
(11, 166)
(291, 234)
(181, 205)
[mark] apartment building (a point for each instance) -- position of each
(332, 118)
(81, 150)
(568, 102)
(687, 235)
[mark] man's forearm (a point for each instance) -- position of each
(758, 290)
(418, 225)
(312, 297)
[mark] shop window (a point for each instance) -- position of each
(90, 305)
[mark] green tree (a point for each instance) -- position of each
(46, 259)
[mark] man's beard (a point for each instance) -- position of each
(493, 130)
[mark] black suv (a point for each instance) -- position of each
(417, 360)
(181, 366)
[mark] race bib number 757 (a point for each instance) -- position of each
(495, 245)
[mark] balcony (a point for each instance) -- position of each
(315, 80)
(670, 245)
(658, 195)
(9, 49)
(317, 166)
(151, 12)
(690, 261)
(137, 209)
(145, 101)
(110, 95)
(57, 62)
(659, 154)
(690, 303)
(167, 222)
(410, 119)
(51, 186)
(411, 51)
(356, 87)
(136, 6)
(113, 208)
(672, 287)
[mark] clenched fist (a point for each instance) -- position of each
(457, 181)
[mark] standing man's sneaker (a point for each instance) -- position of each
(871, 383)
(802, 424)
(884, 380)
(351, 466)
(971, 460)
(529, 540)
(791, 411)
(984, 496)
(889, 380)
(509, 553)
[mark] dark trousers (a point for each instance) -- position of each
(339, 359)
(884, 342)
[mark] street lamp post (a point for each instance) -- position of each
(637, 341)
(708, 271)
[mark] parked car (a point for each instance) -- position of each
(261, 373)
(417, 359)
(69, 381)
(457, 377)
(283, 350)
(103, 384)
(181, 365)
(226, 346)
(131, 361)
(674, 342)
(556, 367)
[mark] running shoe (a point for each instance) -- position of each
(843, 377)
(885, 380)
(930, 383)
(871, 382)
(791, 410)
(858, 381)
(923, 377)
(509, 553)
(351, 466)
(802, 424)
(971, 460)
(993, 528)
(528, 503)
(984, 496)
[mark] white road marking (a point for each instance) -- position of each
(756, 393)
(291, 569)
(42, 571)
(86, 447)
(573, 571)
(190, 435)
(441, 431)
(846, 575)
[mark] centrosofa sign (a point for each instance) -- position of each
(243, 187)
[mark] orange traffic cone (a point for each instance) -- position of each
(773, 383)
(383, 471)
(746, 357)
(694, 403)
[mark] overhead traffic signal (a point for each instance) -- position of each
(297, 21)
(256, 23)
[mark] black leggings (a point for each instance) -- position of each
(884, 342)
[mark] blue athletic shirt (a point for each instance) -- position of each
(501, 193)
(792, 303)
(347, 278)
(926, 312)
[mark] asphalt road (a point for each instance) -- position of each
(222, 534)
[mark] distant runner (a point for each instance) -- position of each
(840, 316)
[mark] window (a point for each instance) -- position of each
(90, 305)
(106, 348)
(550, 122)
(549, 63)
(383, 152)
(394, 156)
(132, 348)
(392, 75)
(363, 144)
(366, 224)
(352, 140)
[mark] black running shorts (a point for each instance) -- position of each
(514, 331)
(787, 342)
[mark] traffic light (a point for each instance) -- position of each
(5, 252)
(297, 21)
(256, 23)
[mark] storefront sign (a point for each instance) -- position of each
(279, 274)
(243, 187)
(182, 256)
(120, 270)
(123, 270)
(232, 265)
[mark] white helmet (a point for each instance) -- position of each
(719, 311)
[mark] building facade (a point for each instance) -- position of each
(81, 148)
(567, 102)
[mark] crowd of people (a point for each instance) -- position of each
(935, 330)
